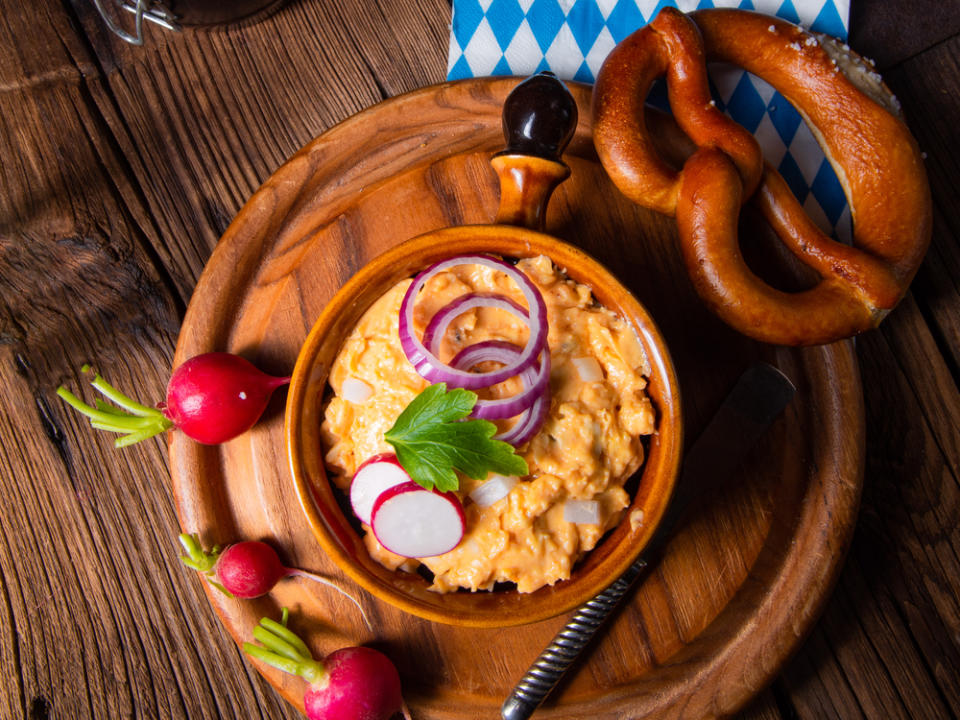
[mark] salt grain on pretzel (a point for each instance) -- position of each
(854, 118)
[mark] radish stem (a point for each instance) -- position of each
(108, 426)
(196, 557)
(281, 663)
(133, 420)
(281, 631)
(133, 438)
(274, 643)
(108, 408)
(127, 403)
(284, 650)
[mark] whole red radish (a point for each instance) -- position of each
(353, 683)
(361, 684)
(212, 398)
(248, 569)
(216, 396)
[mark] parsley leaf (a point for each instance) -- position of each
(432, 439)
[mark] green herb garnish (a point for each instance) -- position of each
(432, 440)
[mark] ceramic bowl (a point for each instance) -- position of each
(337, 532)
(539, 119)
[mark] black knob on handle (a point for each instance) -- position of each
(539, 117)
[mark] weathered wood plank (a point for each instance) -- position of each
(891, 32)
(121, 168)
(203, 117)
(896, 609)
(98, 619)
(928, 86)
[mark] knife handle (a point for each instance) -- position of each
(559, 655)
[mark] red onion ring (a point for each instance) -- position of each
(437, 327)
(535, 378)
(528, 424)
(431, 368)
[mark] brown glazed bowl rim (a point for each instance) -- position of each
(408, 591)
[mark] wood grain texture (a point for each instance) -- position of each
(120, 168)
(741, 582)
(896, 605)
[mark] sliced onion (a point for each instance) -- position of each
(431, 368)
(582, 512)
(528, 424)
(495, 489)
(355, 390)
(534, 378)
(588, 369)
(437, 327)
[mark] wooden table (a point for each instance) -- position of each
(121, 168)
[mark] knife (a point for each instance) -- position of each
(759, 396)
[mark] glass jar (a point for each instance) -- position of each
(174, 14)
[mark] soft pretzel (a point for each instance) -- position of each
(852, 115)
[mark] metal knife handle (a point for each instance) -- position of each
(760, 394)
(559, 655)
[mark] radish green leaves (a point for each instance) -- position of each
(433, 439)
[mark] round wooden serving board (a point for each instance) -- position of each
(746, 574)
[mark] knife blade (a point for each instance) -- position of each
(760, 394)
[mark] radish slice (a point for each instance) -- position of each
(411, 521)
(582, 512)
(495, 489)
(379, 473)
(355, 390)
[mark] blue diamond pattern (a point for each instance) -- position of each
(460, 70)
(545, 18)
(794, 177)
(585, 22)
(504, 17)
(788, 12)
(784, 117)
(829, 22)
(584, 74)
(828, 191)
(467, 16)
(624, 19)
(581, 56)
(502, 68)
(746, 105)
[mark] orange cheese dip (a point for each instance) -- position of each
(588, 446)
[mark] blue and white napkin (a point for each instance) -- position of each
(573, 37)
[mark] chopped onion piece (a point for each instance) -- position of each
(582, 512)
(355, 391)
(588, 369)
(496, 488)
